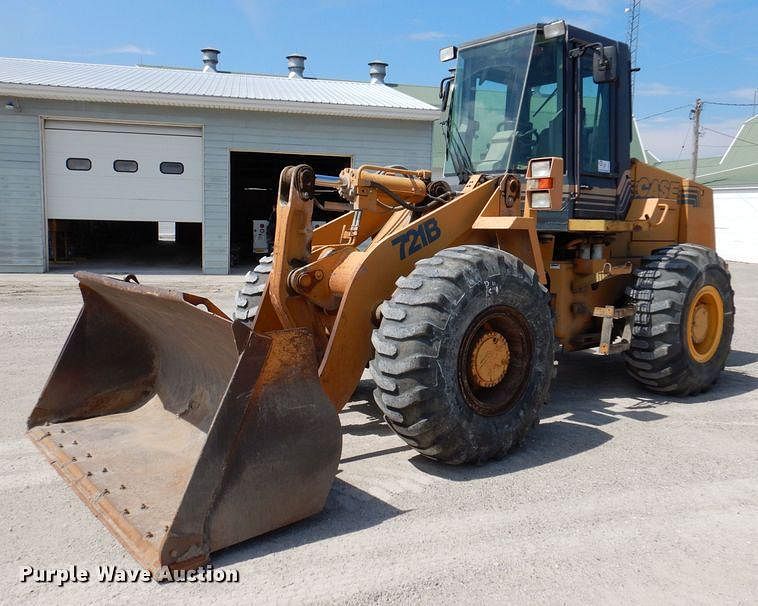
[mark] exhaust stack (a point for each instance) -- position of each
(377, 71)
(296, 65)
(210, 59)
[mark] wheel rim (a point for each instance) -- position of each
(705, 323)
(494, 361)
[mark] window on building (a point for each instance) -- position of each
(125, 166)
(78, 163)
(172, 168)
(166, 231)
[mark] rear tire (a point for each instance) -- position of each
(445, 382)
(684, 321)
(248, 297)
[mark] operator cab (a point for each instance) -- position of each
(544, 90)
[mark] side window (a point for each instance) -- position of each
(596, 131)
(172, 168)
(125, 166)
(78, 163)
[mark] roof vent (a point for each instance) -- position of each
(296, 65)
(210, 59)
(377, 71)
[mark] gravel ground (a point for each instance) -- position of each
(619, 495)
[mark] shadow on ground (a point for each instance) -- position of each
(348, 509)
(588, 385)
(590, 391)
(363, 402)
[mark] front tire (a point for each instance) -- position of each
(684, 321)
(464, 354)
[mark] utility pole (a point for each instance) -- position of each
(695, 117)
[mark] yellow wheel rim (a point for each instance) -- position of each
(489, 359)
(705, 324)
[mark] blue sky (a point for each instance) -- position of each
(689, 48)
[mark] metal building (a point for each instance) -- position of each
(734, 180)
(102, 160)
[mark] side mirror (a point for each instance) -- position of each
(445, 85)
(604, 62)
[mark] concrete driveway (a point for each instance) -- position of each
(619, 495)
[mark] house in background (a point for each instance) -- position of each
(152, 165)
(734, 180)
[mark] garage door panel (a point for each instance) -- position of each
(101, 193)
(79, 207)
(735, 216)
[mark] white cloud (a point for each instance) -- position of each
(743, 94)
(256, 13)
(681, 12)
(600, 7)
(426, 36)
(126, 49)
(656, 89)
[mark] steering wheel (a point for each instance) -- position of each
(529, 135)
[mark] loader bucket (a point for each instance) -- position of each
(182, 432)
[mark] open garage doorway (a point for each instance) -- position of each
(123, 197)
(124, 246)
(253, 188)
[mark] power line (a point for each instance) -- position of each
(730, 104)
(667, 111)
(684, 144)
(730, 136)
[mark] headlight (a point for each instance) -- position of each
(448, 53)
(554, 29)
(540, 168)
(540, 199)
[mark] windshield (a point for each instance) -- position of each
(507, 104)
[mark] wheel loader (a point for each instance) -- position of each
(185, 431)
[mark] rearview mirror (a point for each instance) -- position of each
(604, 61)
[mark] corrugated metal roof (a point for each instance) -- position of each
(744, 147)
(137, 84)
(738, 167)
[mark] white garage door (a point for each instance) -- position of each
(123, 172)
(736, 216)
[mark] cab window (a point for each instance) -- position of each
(595, 122)
(541, 131)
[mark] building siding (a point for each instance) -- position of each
(22, 226)
(735, 217)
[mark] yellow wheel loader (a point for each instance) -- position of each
(185, 431)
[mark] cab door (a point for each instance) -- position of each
(596, 145)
